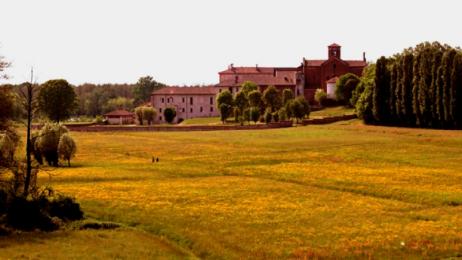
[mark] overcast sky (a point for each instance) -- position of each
(188, 42)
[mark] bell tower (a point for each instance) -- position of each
(334, 51)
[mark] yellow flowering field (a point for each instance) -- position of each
(339, 190)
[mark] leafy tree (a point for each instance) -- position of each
(241, 103)
(456, 90)
(248, 86)
(282, 114)
(300, 108)
(225, 104)
(406, 85)
(225, 111)
(287, 95)
(271, 98)
(345, 86)
(381, 91)
(118, 103)
(255, 98)
(320, 96)
(66, 148)
(149, 114)
(268, 116)
(6, 104)
(48, 140)
(57, 99)
(448, 62)
(139, 114)
(144, 88)
(169, 114)
(254, 114)
(364, 104)
(3, 65)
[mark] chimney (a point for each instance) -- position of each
(364, 56)
(231, 66)
(256, 67)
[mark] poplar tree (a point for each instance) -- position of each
(393, 88)
(456, 90)
(406, 84)
(415, 89)
(436, 62)
(447, 86)
(380, 94)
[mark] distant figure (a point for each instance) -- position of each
(157, 159)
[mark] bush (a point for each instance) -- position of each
(169, 114)
(282, 114)
(345, 86)
(275, 116)
(66, 148)
(65, 208)
(320, 96)
(40, 211)
(24, 214)
(254, 114)
(268, 116)
(47, 142)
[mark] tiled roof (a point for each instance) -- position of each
(255, 70)
(332, 80)
(352, 63)
(357, 63)
(208, 90)
(235, 76)
(119, 113)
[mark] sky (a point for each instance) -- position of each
(187, 42)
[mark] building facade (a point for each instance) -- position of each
(303, 80)
(191, 102)
(120, 117)
(188, 102)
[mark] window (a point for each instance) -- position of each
(163, 100)
(191, 110)
(211, 100)
(182, 110)
(202, 109)
(160, 118)
(160, 110)
(183, 100)
(230, 90)
(219, 90)
(211, 109)
(191, 100)
(168, 100)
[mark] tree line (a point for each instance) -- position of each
(87, 99)
(422, 86)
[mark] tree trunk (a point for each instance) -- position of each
(28, 141)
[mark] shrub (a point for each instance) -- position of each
(282, 114)
(149, 113)
(48, 140)
(320, 96)
(345, 86)
(66, 148)
(65, 208)
(356, 94)
(169, 114)
(27, 215)
(300, 108)
(268, 116)
(275, 116)
(254, 114)
(225, 112)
